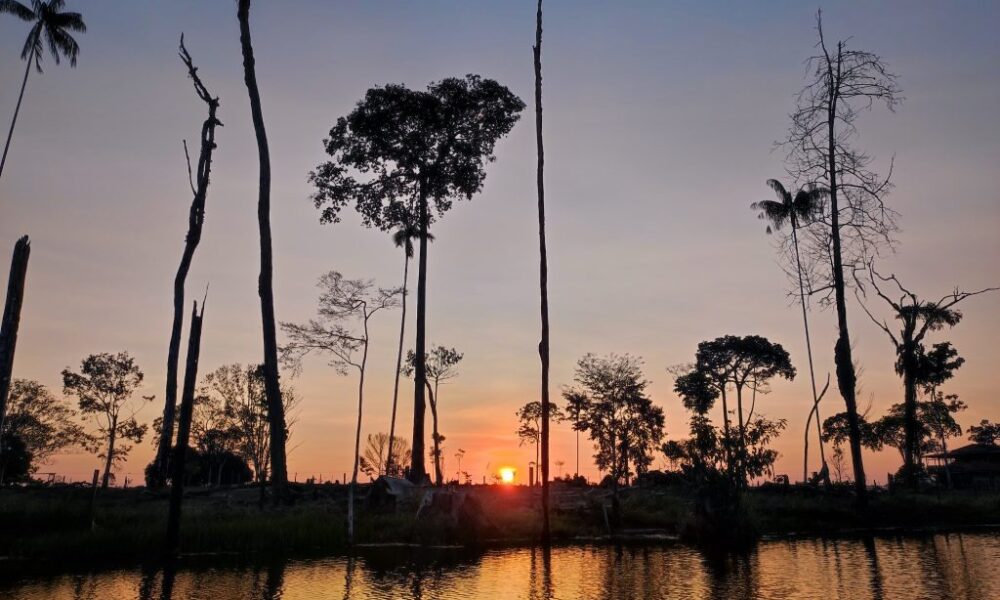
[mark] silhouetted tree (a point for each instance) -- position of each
(738, 363)
(52, 24)
(196, 219)
(265, 287)
(935, 423)
(342, 301)
(723, 362)
(529, 418)
(820, 147)
(575, 406)
(918, 318)
(984, 433)
(11, 320)
(43, 423)
(183, 430)
(233, 406)
(104, 388)
(798, 211)
(620, 418)
(376, 461)
(459, 455)
(543, 276)
(403, 144)
(440, 367)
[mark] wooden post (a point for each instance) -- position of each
(12, 319)
(183, 432)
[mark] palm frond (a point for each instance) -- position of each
(13, 7)
(33, 45)
(809, 203)
(67, 45)
(779, 189)
(776, 213)
(71, 21)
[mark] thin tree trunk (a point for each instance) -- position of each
(741, 455)
(399, 358)
(812, 372)
(17, 109)
(110, 455)
(196, 219)
(846, 376)
(275, 407)
(418, 470)
(728, 436)
(183, 432)
(357, 439)
(909, 415)
(435, 439)
(577, 452)
(543, 275)
(12, 320)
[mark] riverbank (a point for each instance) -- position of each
(54, 524)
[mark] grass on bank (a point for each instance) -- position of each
(54, 523)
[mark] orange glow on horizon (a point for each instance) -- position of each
(507, 474)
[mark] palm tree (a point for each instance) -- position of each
(55, 27)
(403, 238)
(797, 211)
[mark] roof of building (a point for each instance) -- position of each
(970, 451)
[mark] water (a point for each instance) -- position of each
(940, 567)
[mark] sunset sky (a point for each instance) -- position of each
(661, 119)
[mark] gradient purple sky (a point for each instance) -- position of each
(660, 120)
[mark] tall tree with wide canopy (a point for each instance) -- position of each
(196, 220)
(51, 23)
(741, 363)
(857, 223)
(399, 144)
(916, 366)
(265, 282)
(798, 211)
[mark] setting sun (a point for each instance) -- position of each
(507, 474)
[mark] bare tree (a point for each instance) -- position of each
(375, 460)
(342, 303)
(858, 224)
(918, 318)
(196, 219)
(240, 391)
(265, 284)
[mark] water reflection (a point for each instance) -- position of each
(950, 567)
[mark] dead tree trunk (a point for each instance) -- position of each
(196, 219)
(543, 276)
(183, 431)
(12, 319)
(265, 287)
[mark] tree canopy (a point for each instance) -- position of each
(398, 143)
